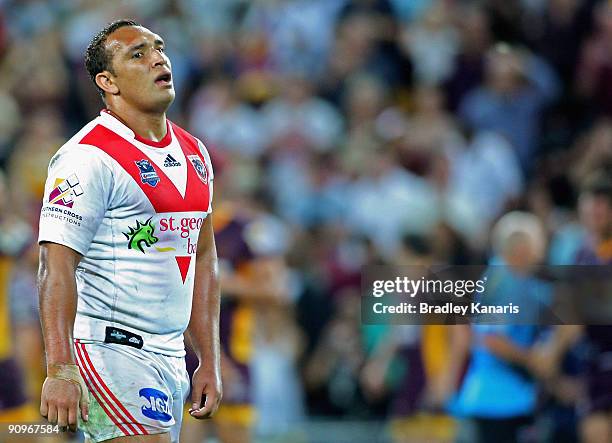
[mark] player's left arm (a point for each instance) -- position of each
(203, 329)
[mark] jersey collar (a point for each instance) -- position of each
(118, 126)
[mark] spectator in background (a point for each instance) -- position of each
(432, 44)
(221, 119)
(595, 209)
(468, 70)
(299, 127)
(487, 173)
(430, 129)
(363, 103)
(27, 338)
(517, 88)
(595, 405)
(332, 372)
(15, 236)
(410, 203)
(351, 53)
(43, 136)
(431, 148)
(363, 46)
(593, 150)
(9, 124)
(297, 121)
(557, 34)
(408, 363)
(389, 63)
(276, 388)
(34, 71)
(299, 33)
(594, 71)
(497, 398)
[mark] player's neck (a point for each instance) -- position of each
(149, 126)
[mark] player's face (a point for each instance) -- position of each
(142, 71)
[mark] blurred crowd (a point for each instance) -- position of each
(356, 132)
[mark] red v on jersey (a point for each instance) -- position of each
(183, 264)
(164, 196)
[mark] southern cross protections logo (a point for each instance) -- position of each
(141, 234)
(65, 191)
(148, 174)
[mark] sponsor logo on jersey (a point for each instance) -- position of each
(157, 406)
(122, 337)
(200, 168)
(141, 235)
(65, 191)
(183, 224)
(171, 161)
(148, 174)
(62, 214)
(118, 335)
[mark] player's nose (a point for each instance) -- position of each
(159, 59)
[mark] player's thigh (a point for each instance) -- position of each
(596, 428)
(155, 438)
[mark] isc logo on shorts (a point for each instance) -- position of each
(157, 406)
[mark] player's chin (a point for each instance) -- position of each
(162, 98)
(167, 92)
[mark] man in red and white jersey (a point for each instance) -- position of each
(127, 260)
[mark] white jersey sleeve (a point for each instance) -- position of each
(77, 195)
(211, 174)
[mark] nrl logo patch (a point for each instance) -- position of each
(141, 235)
(200, 168)
(148, 174)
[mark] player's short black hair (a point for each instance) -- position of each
(97, 58)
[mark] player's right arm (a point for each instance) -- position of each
(77, 193)
(64, 394)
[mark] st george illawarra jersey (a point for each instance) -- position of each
(133, 208)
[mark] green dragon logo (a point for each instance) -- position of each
(143, 233)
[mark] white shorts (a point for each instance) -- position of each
(131, 391)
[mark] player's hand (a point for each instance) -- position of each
(206, 393)
(61, 400)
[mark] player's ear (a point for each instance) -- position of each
(105, 81)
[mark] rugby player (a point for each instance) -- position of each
(128, 263)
